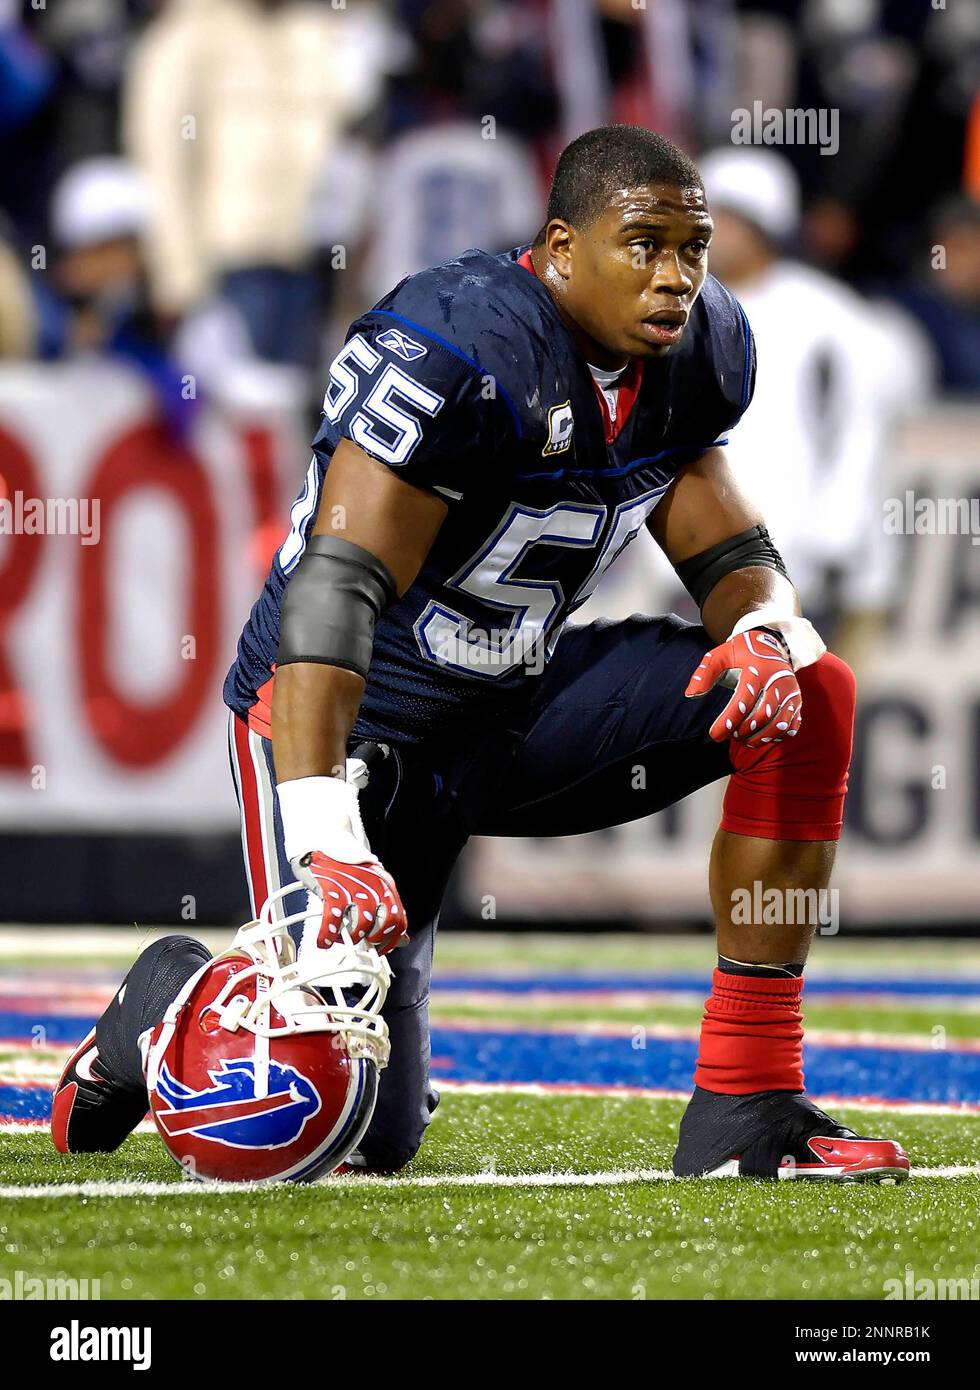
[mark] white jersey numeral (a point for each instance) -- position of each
(401, 430)
(344, 380)
(405, 428)
(299, 515)
(532, 610)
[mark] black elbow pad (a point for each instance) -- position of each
(331, 603)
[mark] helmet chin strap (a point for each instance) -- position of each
(261, 1050)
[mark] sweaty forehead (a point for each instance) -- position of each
(658, 199)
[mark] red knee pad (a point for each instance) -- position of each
(794, 790)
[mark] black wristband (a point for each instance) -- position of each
(701, 572)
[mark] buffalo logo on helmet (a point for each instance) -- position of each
(229, 1111)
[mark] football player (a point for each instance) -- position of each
(495, 432)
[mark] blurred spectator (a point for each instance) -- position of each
(946, 298)
(28, 77)
(98, 215)
(809, 448)
(18, 317)
(902, 78)
(101, 305)
(90, 43)
(442, 189)
(474, 58)
(26, 70)
(971, 156)
(61, 67)
(668, 65)
(231, 110)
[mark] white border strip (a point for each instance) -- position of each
(670, 1032)
(964, 1110)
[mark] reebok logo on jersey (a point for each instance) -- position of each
(560, 424)
(401, 344)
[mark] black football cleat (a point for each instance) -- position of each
(782, 1135)
(101, 1096)
(92, 1111)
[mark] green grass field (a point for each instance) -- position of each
(496, 1206)
(353, 1238)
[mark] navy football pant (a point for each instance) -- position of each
(611, 699)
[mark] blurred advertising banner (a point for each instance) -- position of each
(128, 561)
(911, 849)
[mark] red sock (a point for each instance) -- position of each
(751, 1035)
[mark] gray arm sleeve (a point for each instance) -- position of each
(331, 603)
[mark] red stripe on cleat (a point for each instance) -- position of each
(60, 1115)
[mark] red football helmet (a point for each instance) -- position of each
(262, 1068)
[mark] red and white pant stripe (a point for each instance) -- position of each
(256, 803)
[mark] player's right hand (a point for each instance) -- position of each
(359, 896)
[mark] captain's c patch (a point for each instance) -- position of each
(560, 424)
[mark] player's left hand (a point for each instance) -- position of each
(767, 705)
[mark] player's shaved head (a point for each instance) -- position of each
(592, 168)
(624, 252)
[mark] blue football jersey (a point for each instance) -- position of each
(465, 381)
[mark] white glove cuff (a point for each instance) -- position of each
(803, 640)
(321, 813)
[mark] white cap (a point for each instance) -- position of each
(756, 184)
(98, 200)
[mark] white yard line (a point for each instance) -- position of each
(353, 1183)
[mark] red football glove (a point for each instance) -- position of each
(767, 705)
(361, 897)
